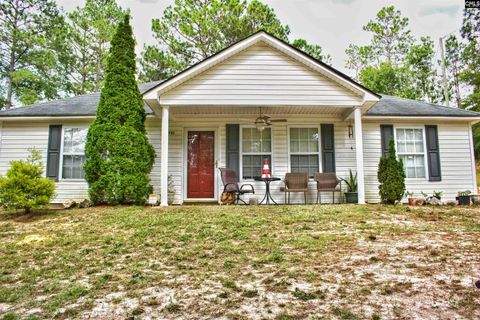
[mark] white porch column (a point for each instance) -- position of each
(359, 155)
(164, 158)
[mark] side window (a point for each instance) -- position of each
(410, 148)
(73, 153)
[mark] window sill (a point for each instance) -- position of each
(416, 179)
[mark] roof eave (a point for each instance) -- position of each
(54, 117)
(430, 117)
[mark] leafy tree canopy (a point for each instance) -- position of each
(394, 62)
(191, 30)
(90, 30)
(454, 65)
(32, 51)
(313, 50)
(391, 37)
(471, 75)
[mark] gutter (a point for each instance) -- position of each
(43, 118)
(408, 118)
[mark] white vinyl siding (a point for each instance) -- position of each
(17, 137)
(455, 159)
(260, 75)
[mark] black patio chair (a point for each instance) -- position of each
(231, 184)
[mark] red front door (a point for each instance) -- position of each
(200, 166)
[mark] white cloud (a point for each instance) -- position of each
(450, 11)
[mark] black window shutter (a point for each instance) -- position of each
(386, 131)
(53, 154)
(433, 153)
(233, 147)
(328, 147)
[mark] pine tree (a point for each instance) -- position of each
(391, 176)
(90, 30)
(119, 157)
(32, 51)
(190, 31)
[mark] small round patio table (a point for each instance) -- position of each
(267, 199)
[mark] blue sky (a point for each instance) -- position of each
(331, 23)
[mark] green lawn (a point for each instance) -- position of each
(285, 262)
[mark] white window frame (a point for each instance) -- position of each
(319, 153)
(271, 153)
(60, 169)
(425, 160)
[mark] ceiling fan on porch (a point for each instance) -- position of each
(264, 120)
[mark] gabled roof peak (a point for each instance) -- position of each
(276, 43)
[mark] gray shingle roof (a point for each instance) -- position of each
(83, 105)
(395, 106)
(86, 105)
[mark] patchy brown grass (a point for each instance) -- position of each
(282, 262)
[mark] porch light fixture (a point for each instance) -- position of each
(261, 124)
(350, 131)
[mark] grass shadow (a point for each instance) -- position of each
(34, 215)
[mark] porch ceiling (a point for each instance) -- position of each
(229, 110)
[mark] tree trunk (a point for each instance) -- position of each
(11, 64)
(9, 87)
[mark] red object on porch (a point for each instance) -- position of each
(200, 167)
(266, 169)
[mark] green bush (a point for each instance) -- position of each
(119, 156)
(24, 186)
(391, 176)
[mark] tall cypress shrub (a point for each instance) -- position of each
(119, 156)
(391, 176)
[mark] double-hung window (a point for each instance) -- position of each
(256, 147)
(304, 150)
(73, 153)
(410, 148)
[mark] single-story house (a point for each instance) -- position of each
(205, 117)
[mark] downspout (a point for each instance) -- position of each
(472, 157)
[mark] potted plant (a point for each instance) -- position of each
(351, 196)
(475, 199)
(411, 200)
(438, 194)
(464, 198)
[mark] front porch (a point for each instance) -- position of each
(229, 88)
(297, 145)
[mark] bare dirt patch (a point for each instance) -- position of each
(285, 262)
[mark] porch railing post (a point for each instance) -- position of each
(164, 158)
(359, 155)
